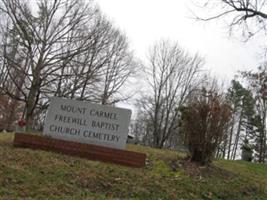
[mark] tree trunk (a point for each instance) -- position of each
(237, 136)
(264, 131)
(263, 137)
(12, 115)
(31, 103)
(231, 138)
(224, 146)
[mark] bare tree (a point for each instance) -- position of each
(61, 48)
(11, 84)
(247, 16)
(99, 72)
(120, 67)
(46, 39)
(171, 75)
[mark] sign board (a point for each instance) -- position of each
(86, 122)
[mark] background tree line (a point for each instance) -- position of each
(242, 107)
(68, 48)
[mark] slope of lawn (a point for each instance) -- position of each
(36, 174)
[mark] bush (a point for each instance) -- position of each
(205, 120)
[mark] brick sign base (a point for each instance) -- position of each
(93, 152)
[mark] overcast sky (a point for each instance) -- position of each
(146, 21)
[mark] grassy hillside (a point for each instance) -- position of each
(34, 174)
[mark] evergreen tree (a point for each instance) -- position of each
(258, 83)
(242, 103)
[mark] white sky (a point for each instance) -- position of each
(146, 21)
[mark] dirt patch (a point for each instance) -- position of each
(197, 170)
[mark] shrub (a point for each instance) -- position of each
(205, 120)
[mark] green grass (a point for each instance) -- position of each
(35, 174)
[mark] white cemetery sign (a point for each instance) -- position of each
(86, 122)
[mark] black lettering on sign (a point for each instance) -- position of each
(64, 130)
(101, 136)
(70, 120)
(103, 114)
(73, 109)
(105, 125)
